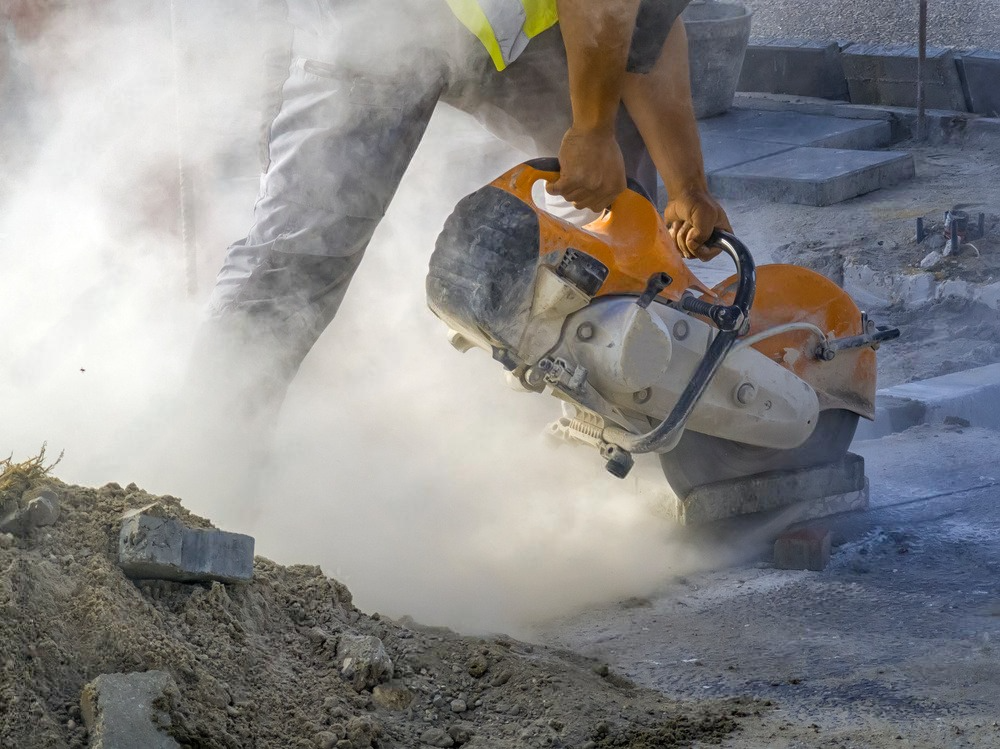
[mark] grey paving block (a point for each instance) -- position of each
(888, 75)
(794, 66)
(833, 488)
(813, 176)
(119, 712)
(795, 129)
(981, 70)
(151, 547)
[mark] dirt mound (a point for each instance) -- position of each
(257, 664)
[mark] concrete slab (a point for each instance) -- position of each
(796, 129)
(794, 66)
(723, 151)
(813, 176)
(981, 71)
(831, 489)
(888, 75)
(972, 396)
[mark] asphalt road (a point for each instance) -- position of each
(892, 645)
(966, 24)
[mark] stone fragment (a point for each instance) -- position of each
(459, 706)
(6, 540)
(392, 696)
(931, 259)
(803, 549)
(41, 510)
(151, 547)
(477, 666)
(461, 732)
(436, 737)
(119, 713)
(364, 661)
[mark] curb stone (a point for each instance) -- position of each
(971, 396)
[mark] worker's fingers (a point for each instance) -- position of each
(671, 214)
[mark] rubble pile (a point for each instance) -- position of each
(89, 655)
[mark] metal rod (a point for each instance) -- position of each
(922, 74)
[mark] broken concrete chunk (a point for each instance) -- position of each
(119, 713)
(41, 510)
(151, 547)
(364, 661)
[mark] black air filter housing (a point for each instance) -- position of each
(483, 268)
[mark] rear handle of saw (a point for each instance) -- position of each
(622, 444)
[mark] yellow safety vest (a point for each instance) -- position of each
(505, 26)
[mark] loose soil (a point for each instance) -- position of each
(256, 666)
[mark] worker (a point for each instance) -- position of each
(359, 82)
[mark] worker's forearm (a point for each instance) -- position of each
(659, 103)
(597, 35)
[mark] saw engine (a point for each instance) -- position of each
(769, 370)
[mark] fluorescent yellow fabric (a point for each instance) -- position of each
(542, 14)
(535, 16)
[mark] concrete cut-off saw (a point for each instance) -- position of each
(768, 371)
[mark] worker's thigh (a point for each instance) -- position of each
(336, 150)
(528, 104)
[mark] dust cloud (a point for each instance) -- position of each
(408, 471)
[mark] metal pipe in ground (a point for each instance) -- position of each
(922, 74)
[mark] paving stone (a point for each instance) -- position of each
(794, 66)
(803, 549)
(119, 713)
(888, 75)
(832, 488)
(152, 547)
(796, 129)
(813, 176)
(981, 70)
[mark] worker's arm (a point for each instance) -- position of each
(597, 35)
(659, 103)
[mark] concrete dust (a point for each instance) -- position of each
(257, 664)
(408, 471)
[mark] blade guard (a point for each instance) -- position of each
(789, 293)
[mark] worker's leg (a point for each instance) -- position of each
(337, 149)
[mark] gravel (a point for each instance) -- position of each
(967, 24)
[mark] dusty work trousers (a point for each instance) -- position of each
(346, 124)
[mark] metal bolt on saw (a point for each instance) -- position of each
(769, 370)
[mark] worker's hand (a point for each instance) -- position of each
(592, 169)
(691, 218)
